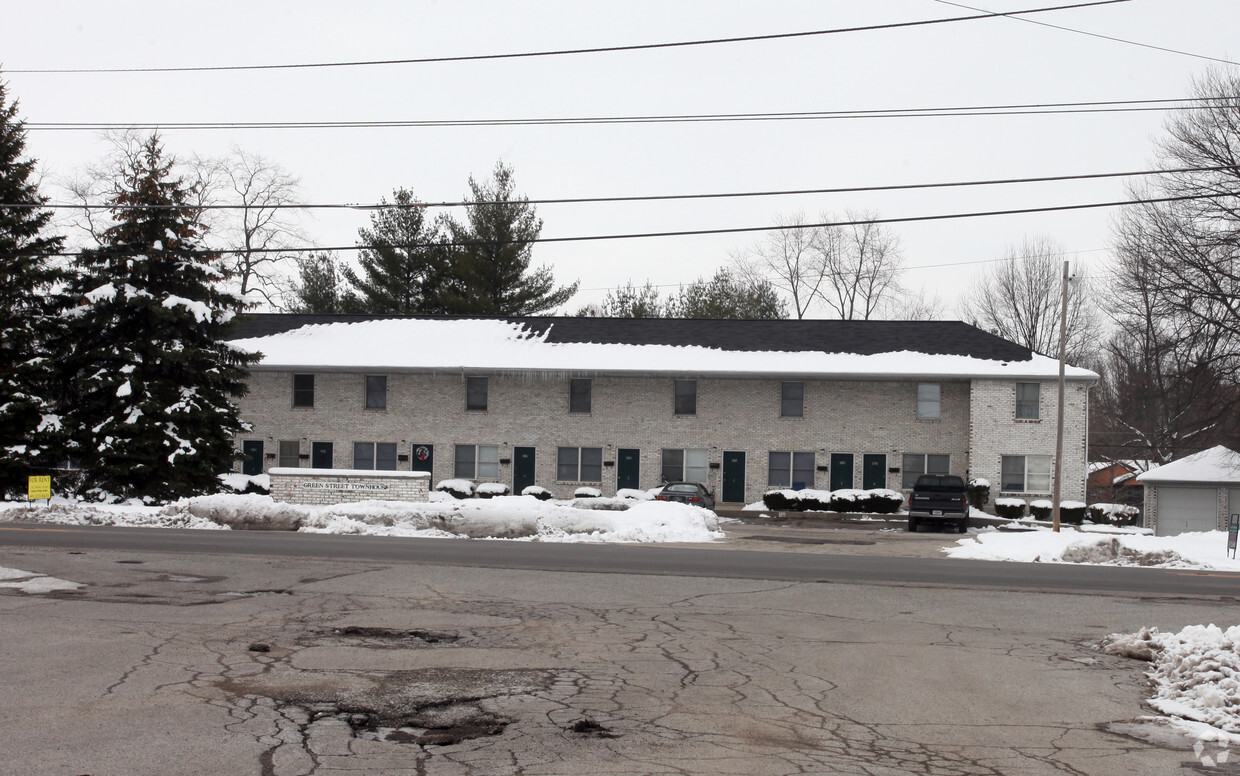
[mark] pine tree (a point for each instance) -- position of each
(404, 264)
(29, 303)
(493, 262)
(153, 416)
(318, 290)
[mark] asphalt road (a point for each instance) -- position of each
(645, 560)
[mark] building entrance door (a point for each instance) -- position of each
(841, 471)
(522, 469)
(321, 455)
(628, 468)
(252, 463)
(874, 471)
(733, 490)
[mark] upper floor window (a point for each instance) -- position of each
(1028, 398)
(790, 470)
(579, 395)
(1025, 474)
(686, 397)
(929, 401)
(290, 453)
(376, 392)
(685, 466)
(792, 400)
(579, 464)
(303, 390)
(475, 393)
(476, 462)
(916, 464)
(374, 455)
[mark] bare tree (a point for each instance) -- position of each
(1019, 299)
(789, 258)
(259, 228)
(863, 262)
(917, 306)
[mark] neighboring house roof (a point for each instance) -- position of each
(648, 345)
(1218, 465)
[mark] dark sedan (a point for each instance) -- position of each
(694, 493)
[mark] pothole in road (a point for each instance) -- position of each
(443, 724)
(390, 635)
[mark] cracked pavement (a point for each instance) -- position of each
(166, 664)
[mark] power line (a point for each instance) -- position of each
(564, 52)
(719, 231)
(642, 198)
(1027, 109)
(1099, 35)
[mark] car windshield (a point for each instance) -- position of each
(939, 483)
(683, 487)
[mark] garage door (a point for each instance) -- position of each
(1184, 510)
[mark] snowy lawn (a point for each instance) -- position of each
(504, 517)
(1106, 545)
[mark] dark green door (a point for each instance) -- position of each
(252, 462)
(522, 469)
(422, 458)
(841, 471)
(733, 477)
(628, 467)
(873, 471)
(321, 455)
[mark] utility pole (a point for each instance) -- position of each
(1056, 491)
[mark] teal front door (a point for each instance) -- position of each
(733, 477)
(252, 457)
(522, 469)
(841, 471)
(628, 467)
(873, 471)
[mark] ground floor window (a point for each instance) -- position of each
(685, 466)
(374, 455)
(917, 464)
(579, 464)
(1026, 474)
(290, 452)
(477, 462)
(790, 469)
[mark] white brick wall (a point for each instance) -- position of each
(855, 417)
(336, 486)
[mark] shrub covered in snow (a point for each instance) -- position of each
(492, 489)
(456, 488)
(537, 491)
(587, 492)
(1115, 514)
(235, 482)
(1072, 512)
(1040, 509)
(879, 501)
(634, 495)
(1010, 508)
(978, 493)
(780, 500)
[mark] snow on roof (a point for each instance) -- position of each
(496, 345)
(1216, 465)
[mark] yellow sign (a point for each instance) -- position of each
(39, 488)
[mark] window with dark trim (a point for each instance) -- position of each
(579, 464)
(374, 455)
(686, 397)
(792, 400)
(929, 401)
(787, 469)
(376, 392)
(476, 462)
(1028, 398)
(916, 464)
(579, 395)
(475, 393)
(303, 390)
(290, 453)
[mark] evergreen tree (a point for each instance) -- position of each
(29, 302)
(153, 381)
(727, 296)
(492, 262)
(404, 264)
(318, 290)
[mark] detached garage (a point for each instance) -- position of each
(1193, 494)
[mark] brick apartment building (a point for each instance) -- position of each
(743, 406)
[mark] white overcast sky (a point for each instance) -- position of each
(989, 62)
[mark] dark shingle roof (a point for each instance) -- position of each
(861, 337)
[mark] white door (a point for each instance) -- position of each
(1186, 510)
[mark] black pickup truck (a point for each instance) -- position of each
(939, 498)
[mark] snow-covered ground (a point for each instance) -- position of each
(504, 517)
(1100, 544)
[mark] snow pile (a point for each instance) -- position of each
(1195, 673)
(500, 517)
(30, 582)
(1097, 544)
